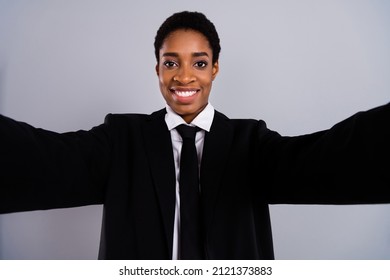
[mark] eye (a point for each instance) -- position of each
(201, 64)
(170, 64)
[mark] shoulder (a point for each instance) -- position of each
(132, 118)
(131, 124)
(239, 123)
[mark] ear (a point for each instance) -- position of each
(157, 70)
(215, 69)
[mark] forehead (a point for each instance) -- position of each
(185, 40)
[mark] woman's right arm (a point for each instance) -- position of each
(41, 169)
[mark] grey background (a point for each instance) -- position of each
(300, 65)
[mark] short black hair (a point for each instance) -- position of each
(188, 20)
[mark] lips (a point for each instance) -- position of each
(184, 92)
(184, 95)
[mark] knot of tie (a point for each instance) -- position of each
(187, 131)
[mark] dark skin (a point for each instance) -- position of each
(186, 72)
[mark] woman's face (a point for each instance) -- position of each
(186, 72)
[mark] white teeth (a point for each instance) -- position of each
(185, 93)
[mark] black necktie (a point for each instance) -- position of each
(191, 245)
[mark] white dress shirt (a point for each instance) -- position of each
(203, 121)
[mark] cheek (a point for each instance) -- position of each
(163, 82)
(206, 81)
(165, 79)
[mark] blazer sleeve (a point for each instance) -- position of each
(346, 164)
(41, 169)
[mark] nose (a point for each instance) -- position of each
(184, 75)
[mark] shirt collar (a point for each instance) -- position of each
(203, 120)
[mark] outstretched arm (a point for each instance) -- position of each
(349, 163)
(40, 169)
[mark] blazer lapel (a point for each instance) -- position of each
(160, 154)
(215, 153)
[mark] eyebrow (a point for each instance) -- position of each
(196, 54)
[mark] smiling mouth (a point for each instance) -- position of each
(184, 93)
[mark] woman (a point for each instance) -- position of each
(131, 163)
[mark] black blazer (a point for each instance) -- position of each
(127, 164)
